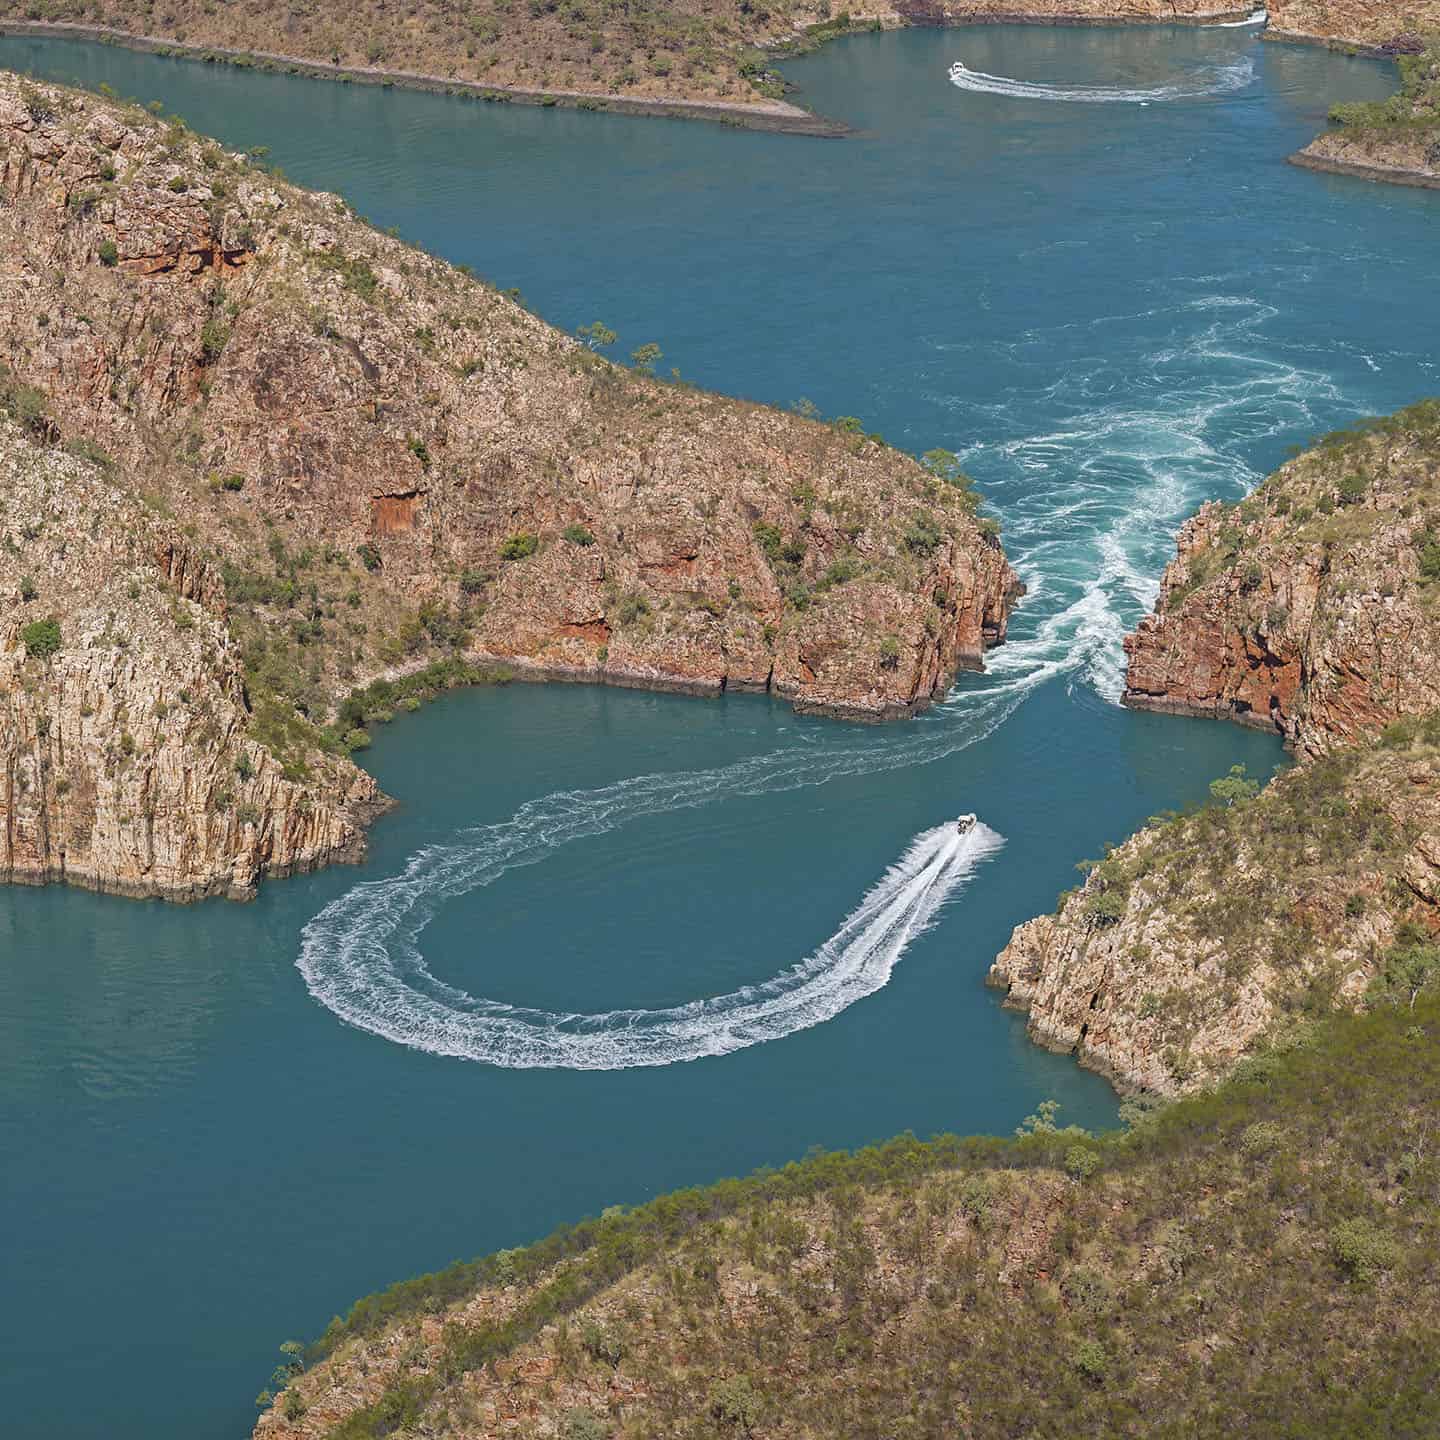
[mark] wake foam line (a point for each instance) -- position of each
(1223, 81)
(353, 973)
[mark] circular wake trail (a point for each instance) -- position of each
(1228, 78)
(385, 988)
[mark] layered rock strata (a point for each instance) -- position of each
(126, 758)
(1309, 609)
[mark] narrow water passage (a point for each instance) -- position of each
(1111, 310)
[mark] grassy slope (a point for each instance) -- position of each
(1261, 1259)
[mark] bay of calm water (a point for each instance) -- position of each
(1090, 272)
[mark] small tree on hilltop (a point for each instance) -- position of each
(597, 335)
(1234, 788)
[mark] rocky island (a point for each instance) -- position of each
(276, 474)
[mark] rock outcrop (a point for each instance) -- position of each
(382, 464)
(1209, 1273)
(1201, 936)
(1310, 608)
(128, 759)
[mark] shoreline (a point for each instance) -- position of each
(774, 116)
(1375, 174)
(768, 116)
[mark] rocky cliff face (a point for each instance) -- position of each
(382, 463)
(1311, 607)
(1198, 938)
(126, 758)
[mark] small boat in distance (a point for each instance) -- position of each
(965, 824)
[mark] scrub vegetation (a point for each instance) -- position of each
(1260, 1257)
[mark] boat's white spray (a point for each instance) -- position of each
(1256, 17)
(1226, 79)
(360, 957)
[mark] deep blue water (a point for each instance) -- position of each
(1113, 310)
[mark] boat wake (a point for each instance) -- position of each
(1256, 17)
(1225, 80)
(359, 956)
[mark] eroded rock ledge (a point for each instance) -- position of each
(369, 464)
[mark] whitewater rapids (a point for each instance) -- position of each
(386, 989)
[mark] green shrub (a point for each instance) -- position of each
(923, 534)
(369, 555)
(519, 546)
(1362, 1250)
(1261, 1138)
(581, 1424)
(473, 582)
(108, 253)
(632, 607)
(42, 638)
(734, 1402)
(1080, 1163)
(1353, 488)
(28, 590)
(1105, 909)
(232, 482)
(577, 535)
(1091, 1361)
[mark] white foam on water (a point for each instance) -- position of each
(1091, 508)
(1090, 512)
(1256, 17)
(1224, 80)
(353, 964)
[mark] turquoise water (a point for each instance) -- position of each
(1113, 309)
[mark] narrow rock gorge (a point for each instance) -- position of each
(1310, 608)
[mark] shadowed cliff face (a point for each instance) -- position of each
(1311, 608)
(384, 463)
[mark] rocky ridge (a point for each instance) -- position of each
(1195, 1276)
(1310, 609)
(667, 56)
(387, 466)
(1397, 140)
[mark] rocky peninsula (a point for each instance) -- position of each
(276, 474)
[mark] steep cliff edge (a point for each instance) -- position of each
(129, 760)
(1311, 608)
(386, 467)
(1205, 934)
(695, 57)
